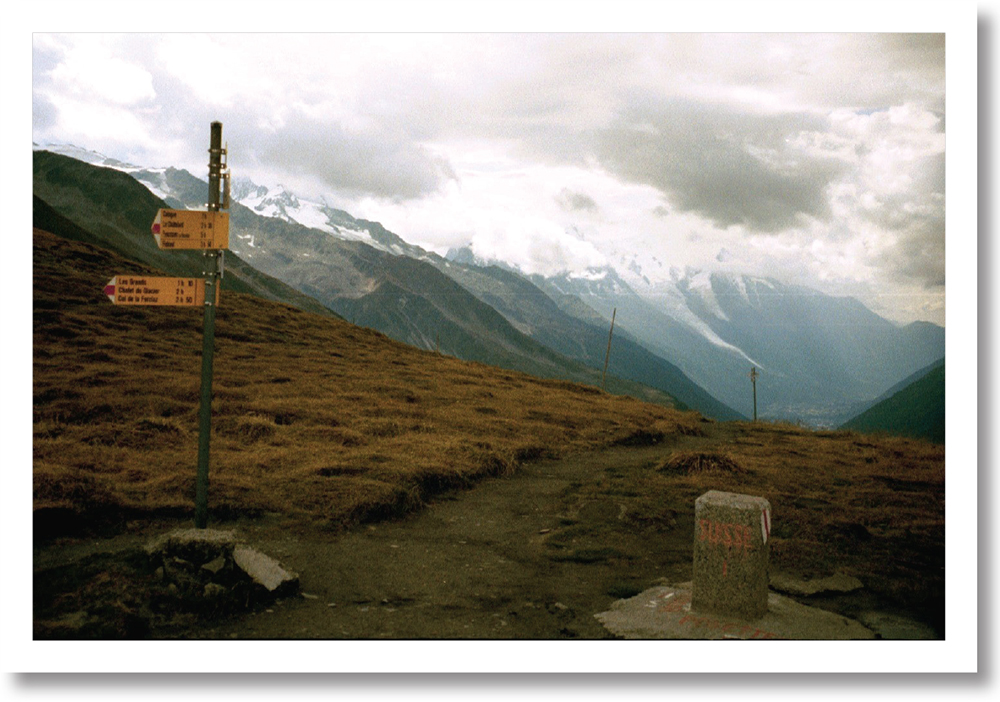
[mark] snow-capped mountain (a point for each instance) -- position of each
(283, 204)
(85, 155)
(820, 357)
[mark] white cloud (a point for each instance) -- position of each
(819, 156)
(89, 71)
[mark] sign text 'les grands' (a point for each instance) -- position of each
(191, 229)
(153, 290)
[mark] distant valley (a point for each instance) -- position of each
(822, 360)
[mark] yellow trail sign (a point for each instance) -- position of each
(152, 290)
(191, 229)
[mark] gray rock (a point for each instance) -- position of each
(666, 613)
(214, 566)
(196, 545)
(265, 571)
(838, 582)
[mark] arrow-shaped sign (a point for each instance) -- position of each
(191, 229)
(155, 290)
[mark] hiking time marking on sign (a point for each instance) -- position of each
(191, 229)
(153, 290)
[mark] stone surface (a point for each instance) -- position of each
(838, 582)
(730, 568)
(897, 627)
(214, 566)
(197, 545)
(665, 612)
(211, 564)
(264, 570)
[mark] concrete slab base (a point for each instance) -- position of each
(665, 613)
(838, 582)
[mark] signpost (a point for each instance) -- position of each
(212, 279)
(191, 229)
(154, 290)
(185, 230)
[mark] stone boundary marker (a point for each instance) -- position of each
(731, 555)
(728, 598)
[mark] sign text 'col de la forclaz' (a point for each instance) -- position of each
(157, 290)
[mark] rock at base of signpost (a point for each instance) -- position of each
(265, 571)
(195, 545)
(211, 571)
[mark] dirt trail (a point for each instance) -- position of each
(530, 556)
(517, 557)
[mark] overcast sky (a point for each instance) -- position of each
(814, 158)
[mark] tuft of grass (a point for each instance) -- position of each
(689, 462)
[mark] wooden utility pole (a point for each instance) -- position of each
(753, 381)
(607, 355)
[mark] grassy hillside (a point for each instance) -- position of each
(110, 209)
(313, 417)
(917, 410)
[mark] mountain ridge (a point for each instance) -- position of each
(820, 357)
(357, 269)
(917, 410)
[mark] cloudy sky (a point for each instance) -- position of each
(815, 158)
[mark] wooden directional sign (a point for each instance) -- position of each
(191, 229)
(152, 290)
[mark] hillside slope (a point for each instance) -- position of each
(535, 313)
(917, 410)
(404, 297)
(107, 208)
(311, 415)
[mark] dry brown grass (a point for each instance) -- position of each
(312, 417)
(689, 462)
(331, 424)
(872, 507)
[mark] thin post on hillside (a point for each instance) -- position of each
(753, 381)
(607, 355)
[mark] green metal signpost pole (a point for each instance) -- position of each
(212, 280)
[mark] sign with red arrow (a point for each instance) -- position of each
(154, 290)
(191, 229)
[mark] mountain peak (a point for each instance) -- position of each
(87, 156)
